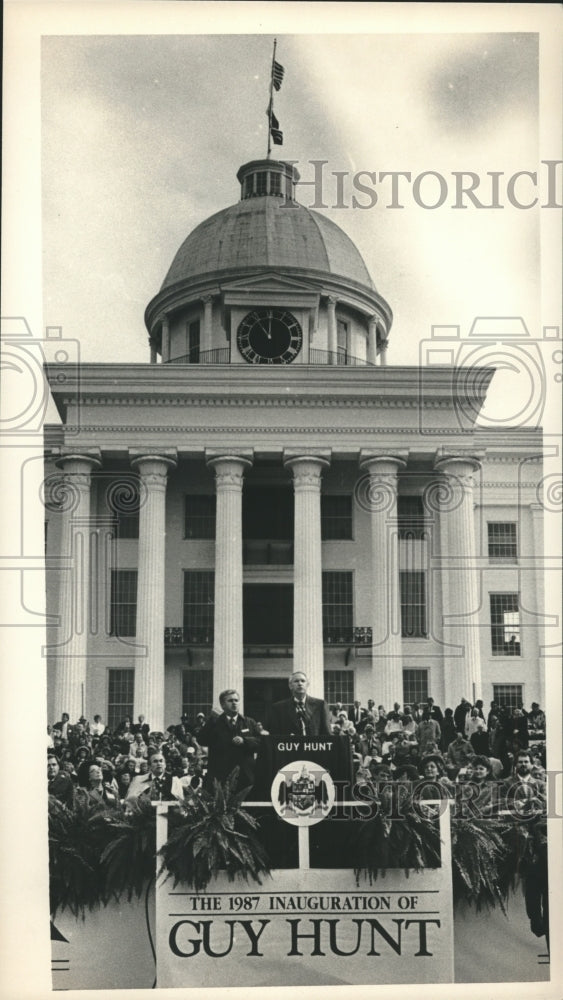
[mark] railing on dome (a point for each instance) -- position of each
(222, 356)
(317, 357)
(219, 356)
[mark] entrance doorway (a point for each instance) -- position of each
(260, 693)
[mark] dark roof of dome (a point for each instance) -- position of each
(267, 232)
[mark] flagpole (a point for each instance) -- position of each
(271, 104)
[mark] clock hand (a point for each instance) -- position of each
(264, 330)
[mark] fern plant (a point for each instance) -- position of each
(479, 851)
(410, 842)
(215, 834)
(77, 839)
(128, 861)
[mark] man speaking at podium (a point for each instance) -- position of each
(299, 715)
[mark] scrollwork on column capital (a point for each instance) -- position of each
(459, 469)
(229, 471)
(153, 469)
(307, 470)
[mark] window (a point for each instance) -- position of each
(336, 517)
(341, 341)
(338, 607)
(267, 525)
(121, 687)
(413, 604)
(275, 183)
(193, 342)
(508, 695)
(503, 545)
(410, 513)
(262, 183)
(123, 602)
(123, 503)
(339, 686)
(268, 513)
(126, 525)
(197, 693)
(248, 186)
(199, 605)
(415, 686)
(199, 515)
(267, 614)
(505, 624)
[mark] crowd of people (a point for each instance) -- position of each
(504, 748)
(500, 753)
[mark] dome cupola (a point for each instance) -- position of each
(268, 252)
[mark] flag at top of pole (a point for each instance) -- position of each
(277, 74)
(276, 78)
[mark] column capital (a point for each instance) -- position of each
(84, 462)
(307, 470)
(207, 298)
(331, 300)
(153, 468)
(459, 465)
(307, 467)
(167, 457)
(382, 463)
(77, 469)
(229, 470)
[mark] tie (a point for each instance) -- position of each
(301, 717)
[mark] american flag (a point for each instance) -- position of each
(277, 74)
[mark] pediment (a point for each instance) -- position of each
(270, 287)
(270, 280)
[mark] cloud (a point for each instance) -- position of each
(476, 88)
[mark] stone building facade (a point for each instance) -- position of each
(268, 494)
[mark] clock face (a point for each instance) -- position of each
(269, 336)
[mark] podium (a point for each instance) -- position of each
(333, 753)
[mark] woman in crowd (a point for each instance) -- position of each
(486, 800)
(436, 784)
(99, 790)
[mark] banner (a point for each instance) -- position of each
(299, 927)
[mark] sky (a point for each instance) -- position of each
(142, 137)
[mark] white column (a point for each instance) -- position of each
(228, 666)
(72, 652)
(460, 576)
(307, 569)
(379, 498)
(152, 349)
(207, 338)
(372, 341)
(165, 344)
(332, 342)
(383, 353)
(149, 658)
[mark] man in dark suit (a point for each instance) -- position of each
(300, 715)
(156, 784)
(232, 740)
(357, 715)
(60, 784)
